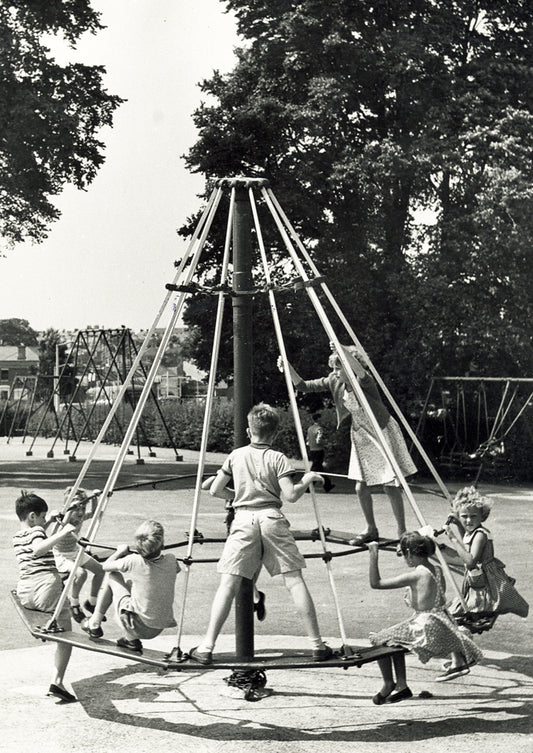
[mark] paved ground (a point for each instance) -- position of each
(125, 706)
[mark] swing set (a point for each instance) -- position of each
(473, 419)
(240, 282)
(101, 360)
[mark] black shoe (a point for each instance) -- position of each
(401, 695)
(94, 633)
(77, 613)
(202, 657)
(133, 645)
(323, 654)
(259, 607)
(364, 538)
(63, 695)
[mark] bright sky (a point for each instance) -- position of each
(108, 257)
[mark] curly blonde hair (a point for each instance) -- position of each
(470, 497)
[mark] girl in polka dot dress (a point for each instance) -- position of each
(430, 632)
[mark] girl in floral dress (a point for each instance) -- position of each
(487, 589)
(430, 632)
(369, 464)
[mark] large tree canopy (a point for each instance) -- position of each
(398, 138)
(50, 114)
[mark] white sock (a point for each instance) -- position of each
(74, 602)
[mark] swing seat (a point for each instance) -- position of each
(476, 623)
(265, 659)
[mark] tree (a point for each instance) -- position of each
(17, 332)
(50, 114)
(364, 116)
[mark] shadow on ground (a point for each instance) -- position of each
(486, 710)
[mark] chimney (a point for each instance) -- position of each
(22, 353)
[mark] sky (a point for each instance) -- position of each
(107, 259)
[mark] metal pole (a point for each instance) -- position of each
(242, 385)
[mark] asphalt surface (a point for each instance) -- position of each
(127, 706)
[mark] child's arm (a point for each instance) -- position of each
(93, 499)
(44, 545)
(218, 487)
(291, 492)
(377, 582)
(473, 557)
(110, 565)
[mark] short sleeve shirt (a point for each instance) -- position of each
(152, 585)
(30, 564)
(256, 470)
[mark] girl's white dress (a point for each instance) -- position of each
(431, 633)
(368, 461)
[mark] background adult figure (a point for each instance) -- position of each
(369, 465)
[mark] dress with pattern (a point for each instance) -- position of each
(368, 461)
(431, 633)
(488, 590)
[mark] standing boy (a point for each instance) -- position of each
(260, 534)
(40, 585)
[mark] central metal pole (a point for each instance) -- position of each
(243, 389)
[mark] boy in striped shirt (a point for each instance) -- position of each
(40, 584)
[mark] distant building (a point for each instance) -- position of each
(16, 361)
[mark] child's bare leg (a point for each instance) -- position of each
(400, 670)
(220, 608)
(77, 585)
(303, 602)
(458, 660)
(61, 660)
(98, 576)
(394, 493)
(385, 666)
(367, 506)
(103, 602)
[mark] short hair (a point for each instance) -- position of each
(469, 496)
(149, 539)
(414, 543)
(263, 420)
(315, 416)
(29, 502)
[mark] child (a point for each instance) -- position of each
(487, 589)
(40, 585)
(66, 551)
(316, 449)
(369, 465)
(430, 632)
(259, 597)
(141, 582)
(260, 533)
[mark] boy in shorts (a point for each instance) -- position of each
(40, 585)
(260, 534)
(140, 580)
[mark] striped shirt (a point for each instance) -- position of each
(30, 564)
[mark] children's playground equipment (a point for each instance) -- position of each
(472, 419)
(95, 366)
(240, 281)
